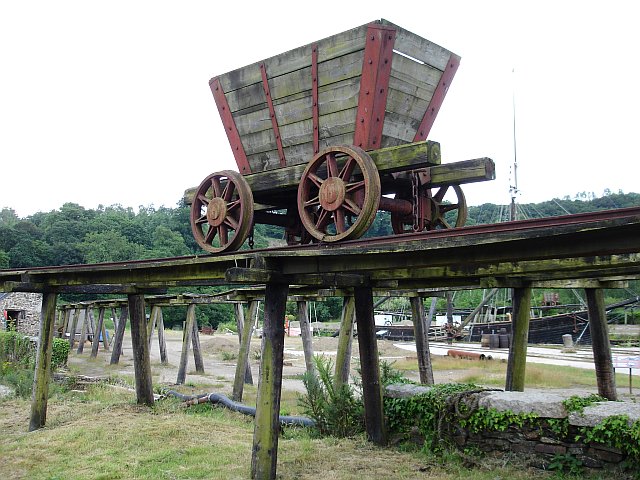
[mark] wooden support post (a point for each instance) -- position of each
(186, 341)
(345, 341)
(103, 331)
(421, 332)
(65, 325)
(267, 423)
(152, 323)
(96, 335)
(74, 326)
(605, 373)
(241, 323)
(305, 332)
(449, 297)
(162, 343)
(119, 336)
(371, 386)
(58, 322)
(197, 352)
(42, 374)
(87, 314)
(141, 361)
(517, 363)
(243, 366)
(115, 319)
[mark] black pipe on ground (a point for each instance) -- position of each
(219, 399)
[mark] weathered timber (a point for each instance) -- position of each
(153, 319)
(345, 341)
(593, 245)
(197, 351)
(421, 332)
(187, 333)
(371, 386)
(267, 423)
(305, 332)
(119, 335)
(74, 326)
(86, 319)
(161, 339)
(387, 160)
(243, 354)
(466, 171)
(103, 331)
(141, 360)
(42, 373)
(605, 373)
(240, 321)
(517, 361)
(65, 323)
(251, 275)
(406, 91)
(96, 335)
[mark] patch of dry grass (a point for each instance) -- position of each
(104, 435)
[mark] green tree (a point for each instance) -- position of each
(30, 253)
(109, 246)
(4, 259)
(167, 243)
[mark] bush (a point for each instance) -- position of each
(337, 411)
(60, 353)
(17, 349)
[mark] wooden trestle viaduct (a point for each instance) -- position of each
(591, 251)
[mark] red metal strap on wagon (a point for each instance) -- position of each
(374, 83)
(272, 114)
(230, 126)
(437, 98)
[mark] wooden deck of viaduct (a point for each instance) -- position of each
(591, 251)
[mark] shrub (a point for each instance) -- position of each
(60, 353)
(16, 349)
(337, 411)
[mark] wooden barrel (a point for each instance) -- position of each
(504, 340)
(494, 340)
(484, 340)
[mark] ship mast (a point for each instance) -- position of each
(513, 189)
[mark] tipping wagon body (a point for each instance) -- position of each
(289, 119)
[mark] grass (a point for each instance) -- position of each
(104, 435)
(493, 373)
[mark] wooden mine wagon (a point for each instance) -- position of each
(327, 134)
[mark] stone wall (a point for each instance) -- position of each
(29, 304)
(539, 440)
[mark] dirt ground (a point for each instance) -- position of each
(219, 352)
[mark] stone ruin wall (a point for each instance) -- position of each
(541, 444)
(31, 304)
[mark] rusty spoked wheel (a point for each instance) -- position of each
(339, 194)
(222, 212)
(442, 210)
(447, 213)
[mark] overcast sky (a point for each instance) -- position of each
(108, 102)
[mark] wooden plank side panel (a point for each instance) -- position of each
(332, 98)
(338, 90)
(420, 48)
(399, 127)
(296, 59)
(297, 138)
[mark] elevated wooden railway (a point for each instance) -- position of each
(592, 251)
